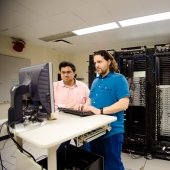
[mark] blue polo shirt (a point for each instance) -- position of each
(106, 91)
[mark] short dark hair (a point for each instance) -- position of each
(67, 64)
(107, 56)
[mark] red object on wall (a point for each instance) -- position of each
(18, 45)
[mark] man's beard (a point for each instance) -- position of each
(101, 71)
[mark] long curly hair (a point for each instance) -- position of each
(107, 56)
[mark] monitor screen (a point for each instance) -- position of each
(33, 97)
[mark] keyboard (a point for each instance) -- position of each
(75, 112)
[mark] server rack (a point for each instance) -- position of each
(162, 123)
(91, 71)
(135, 65)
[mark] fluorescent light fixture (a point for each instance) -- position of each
(97, 28)
(145, 19)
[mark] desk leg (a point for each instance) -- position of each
(52, 158)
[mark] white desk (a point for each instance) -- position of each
(66, 127)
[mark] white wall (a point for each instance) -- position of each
(81, 63)
(40, 54)
(37, 54)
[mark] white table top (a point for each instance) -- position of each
(66, 127)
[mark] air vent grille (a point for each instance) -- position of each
(58, 36)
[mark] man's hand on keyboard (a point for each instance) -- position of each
(92, 109)
(87, 108)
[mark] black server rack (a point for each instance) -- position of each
(162, 123)
(132, 64)
(91, 71)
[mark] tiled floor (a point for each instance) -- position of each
(8, 150)
(140, 163)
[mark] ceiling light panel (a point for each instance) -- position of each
(145, 19)
(97, 28)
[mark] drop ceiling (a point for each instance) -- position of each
(33, 20)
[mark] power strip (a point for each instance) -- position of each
(87, 137)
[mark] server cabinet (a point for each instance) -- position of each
(132, 64)
(91, 71)
(136, 66)
(162, 124)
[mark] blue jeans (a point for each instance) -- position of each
(110, 148)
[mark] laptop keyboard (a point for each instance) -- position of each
(75, 112)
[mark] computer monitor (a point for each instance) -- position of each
(33, 97)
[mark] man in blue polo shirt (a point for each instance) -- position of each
(109, 95)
